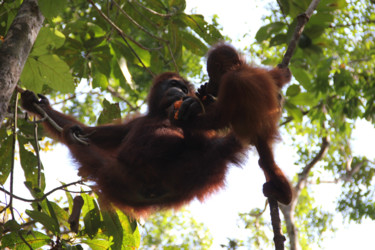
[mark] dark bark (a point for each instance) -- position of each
(15, 49)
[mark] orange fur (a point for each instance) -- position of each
(148, 164)
(247, 101)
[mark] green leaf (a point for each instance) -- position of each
(29, 163)
(284, 5)
(302, 76)
(92, 220)
(69, 197)
(177, 5)
(314, 32)
(193, 44)
(206, 31)
(304, 98)
(47, 69)
(265, 32)
(52, 8)
(175, 46)
(294, 111)
(99, 80)
(47, 221)
(100, 57)
(34, 238)
(329, 5)
(12, 226)
(55, 211)
(47, 40)
(156, 62)
(98, 244)
(53, 214)
(293, 90)
(121, 75)
(129, 225)
(113, 228)
(144, 55)
(110, 112)
(321, 19)
(131, 237)
(5, 158)
(304, 41)
(278, 39)
(118, 225)
(88, 204)
(322, 80)
(94, 42)
(343, 81)
(297, 7)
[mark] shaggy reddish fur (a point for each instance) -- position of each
(147, 164)
(246, 99)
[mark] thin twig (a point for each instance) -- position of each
(73, 96)
(13, 155)
(12, 168)
(306, 170)
(124, 37)
(37, 154)
(24, 240)
(192, 19)
(144, 17)
(44, 196)
(150, 34)
(26, 224)
(19, 116)
(290, 118)
(261, 212)
(173, 59)
(116, 94)
(154, 12)
(138, 25)
(119, 30)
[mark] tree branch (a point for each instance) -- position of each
(302, 177)
(15, 49)
(302, 19)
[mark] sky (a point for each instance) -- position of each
(243, 190)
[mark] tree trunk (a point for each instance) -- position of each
(16, 48)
